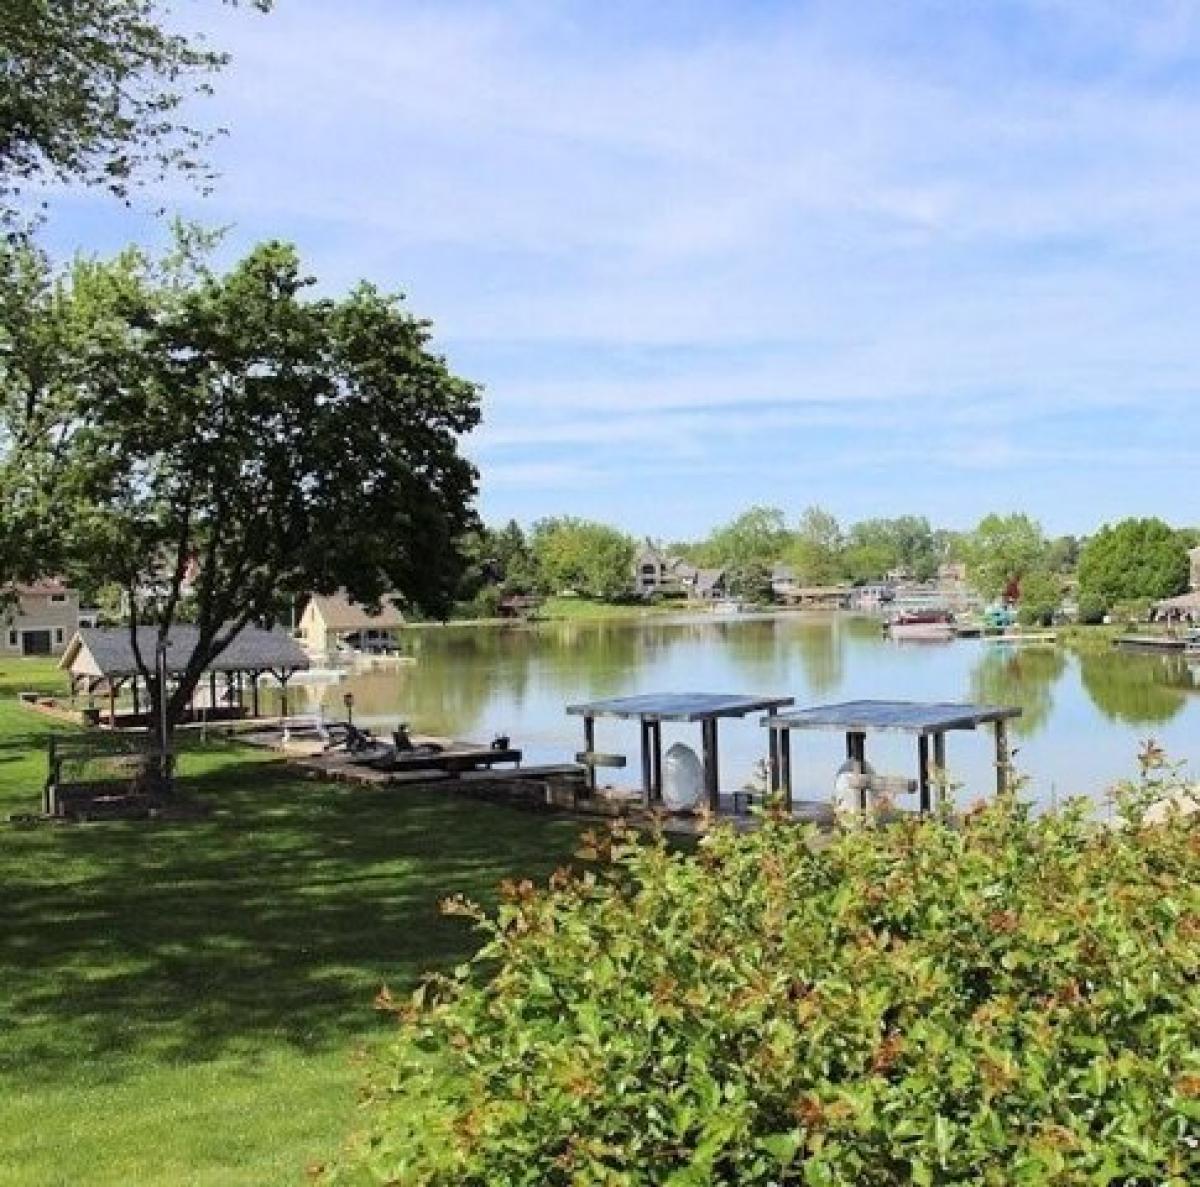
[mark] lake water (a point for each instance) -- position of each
(1084, 718)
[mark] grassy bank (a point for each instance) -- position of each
(585, 609)
(183, 1002)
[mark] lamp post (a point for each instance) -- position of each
(164, 757)
(348, 701)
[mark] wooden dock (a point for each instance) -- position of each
(1168, 643)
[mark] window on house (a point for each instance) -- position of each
(12, 638)
(58, 634)
(58, 597)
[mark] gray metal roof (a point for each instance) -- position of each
(108, 651)
(679, 706)
(910, 717)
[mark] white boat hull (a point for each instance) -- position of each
(936, 631)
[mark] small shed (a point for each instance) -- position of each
(331, 622)
(102, 660)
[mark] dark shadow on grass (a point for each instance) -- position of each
(273, 921)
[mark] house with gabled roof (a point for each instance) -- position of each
(333, 623)
(39, 618)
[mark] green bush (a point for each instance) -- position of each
(1014, 1000)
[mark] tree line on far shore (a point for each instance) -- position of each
(1121, 568)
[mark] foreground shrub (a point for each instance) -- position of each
(1014, 1001)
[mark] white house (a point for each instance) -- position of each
(40, 619)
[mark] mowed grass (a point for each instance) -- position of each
(182, 1003)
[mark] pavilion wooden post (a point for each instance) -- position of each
(711, 762)
(137, 708)
(1003, 757)
(112, 704)
(254, 693)
(212, 692)
(589, 745)
(283, 694)
(923, 783)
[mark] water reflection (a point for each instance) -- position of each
(1137, 689)
(1023, 676)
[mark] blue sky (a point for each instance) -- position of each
(887, 256)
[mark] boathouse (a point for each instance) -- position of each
(332, 623)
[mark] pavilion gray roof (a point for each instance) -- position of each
(678, 706)
(910, 717)
(108, 651)
(1185, 602)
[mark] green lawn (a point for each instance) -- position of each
(584, 609)
(182, 1003)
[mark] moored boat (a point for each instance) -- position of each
(934, 625)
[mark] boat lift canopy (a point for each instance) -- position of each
(923, 719)
(652, 709)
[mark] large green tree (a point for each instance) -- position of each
(876, 546)
(91, 91)
(757, 537)
(160, 416)
(1001, 551)
(817, 548)
(1132, 560)
(582, 555)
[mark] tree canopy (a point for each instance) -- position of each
(91, 91)
(816, 548)
(875, 547)
(584, 556)
(1132, 560)
(1001, 551)
(162, 415)
(758, 536)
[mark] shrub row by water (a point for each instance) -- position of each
(1011, 1000)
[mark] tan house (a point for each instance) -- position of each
(333, 623)
(41, 620)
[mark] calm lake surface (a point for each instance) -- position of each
(1084, 715)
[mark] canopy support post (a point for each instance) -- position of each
(923, 773)
(1003, 757)
(939, 766)
(589, 745)
(711, 763)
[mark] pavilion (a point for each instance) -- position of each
(103, 660)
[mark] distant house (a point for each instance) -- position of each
(518, 606)
(783, 581)
(710, 585)
(41, 619)
(657, 573)
(332, 623)
(872, 596)
(819, 597)
(951, 573)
